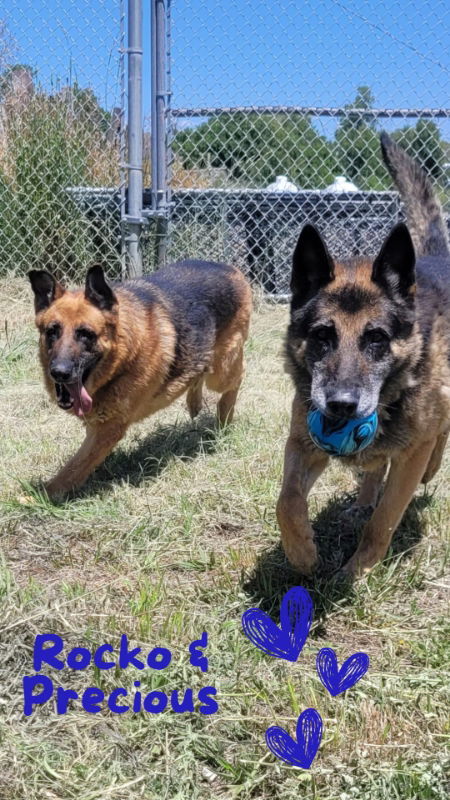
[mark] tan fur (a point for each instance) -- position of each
(435, 458)
(428, 419)
(304, 463)
(132, 379)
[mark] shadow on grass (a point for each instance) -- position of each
(152, 454)
(337, 537)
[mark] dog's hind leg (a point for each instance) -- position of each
(194, 397)
(226, 404)
(436, 457)
(228, 368)
(226, 379)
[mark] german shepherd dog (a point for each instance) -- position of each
(371, 335)
(114, 354)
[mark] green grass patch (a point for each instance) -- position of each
(174, 535)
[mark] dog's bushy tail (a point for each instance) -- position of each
(424, 215)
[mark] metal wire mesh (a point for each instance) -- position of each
(272, 114)
(61, 136)
(275, 120)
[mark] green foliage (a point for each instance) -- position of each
(48, 144)
(358, 152)
(40, 223)
(358, 147)
(255, 148)
(87, 111)
(424, 142)
(365, 100)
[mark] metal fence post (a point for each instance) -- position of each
(122, 146)
(135, 188)
(158, 127)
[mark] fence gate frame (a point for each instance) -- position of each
(160, 109)
(134, 216)
(154, 216)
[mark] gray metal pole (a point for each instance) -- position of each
(154, 136)
(169, 131)
(135, 188)
(122, 147)
(159, 100)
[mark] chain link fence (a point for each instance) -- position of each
(260, 116)
(62, 89)
(276, 110)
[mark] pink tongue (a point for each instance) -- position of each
(82, 401)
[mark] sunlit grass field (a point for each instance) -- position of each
(176, 535)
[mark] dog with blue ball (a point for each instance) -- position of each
(368, 350)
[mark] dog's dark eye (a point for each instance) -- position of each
(321, 340)
(323, 334)
(52, 333)
(376, 342)
(376, 337)
(85, 334)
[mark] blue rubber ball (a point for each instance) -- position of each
(342, 437)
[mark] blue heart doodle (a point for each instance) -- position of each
(300, 753)
(296, 615)
(338, 680)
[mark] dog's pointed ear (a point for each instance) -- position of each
(312, 266)
(97, 290)
(394, 266)
(45, 287)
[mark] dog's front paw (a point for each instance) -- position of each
(360, 564)
(349, 570)
(54, 491)
(301, 554)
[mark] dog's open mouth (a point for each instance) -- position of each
(74, 396)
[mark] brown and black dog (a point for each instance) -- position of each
(371, 335)
(114, 354)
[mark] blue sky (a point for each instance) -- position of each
(252, 52)
(68, 40)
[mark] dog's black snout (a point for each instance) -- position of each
(61, 371)
(343, 410)
(342, 405)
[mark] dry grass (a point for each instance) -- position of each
(174, 535)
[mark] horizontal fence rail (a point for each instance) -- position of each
(256, 148)
(369, 113)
